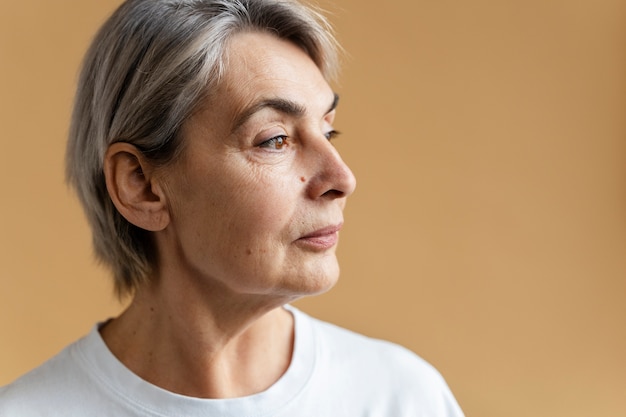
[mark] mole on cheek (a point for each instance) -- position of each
(302, 179)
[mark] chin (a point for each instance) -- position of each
(320, 281)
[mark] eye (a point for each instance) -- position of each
(332, 134)
(277, 142)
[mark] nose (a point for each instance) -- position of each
(331, 178)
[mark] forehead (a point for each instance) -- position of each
(262, 65)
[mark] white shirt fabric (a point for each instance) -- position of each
(333, 373)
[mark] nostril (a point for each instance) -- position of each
(334, 194)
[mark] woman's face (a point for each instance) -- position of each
(256, 199)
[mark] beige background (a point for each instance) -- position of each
(488, 230)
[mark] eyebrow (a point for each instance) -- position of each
(281, 105)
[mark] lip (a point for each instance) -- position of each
(322, 239)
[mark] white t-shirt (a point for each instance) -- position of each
(333, 373)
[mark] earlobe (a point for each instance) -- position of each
(134, 189)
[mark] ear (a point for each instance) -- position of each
(134, 189)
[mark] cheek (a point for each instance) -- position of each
(235, 200)
(264, 204)
(269, 193)
(256, 200)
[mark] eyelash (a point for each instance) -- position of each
(332, 134)
(280, 141)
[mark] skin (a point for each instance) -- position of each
(245, 221)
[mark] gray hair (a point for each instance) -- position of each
(146, 71)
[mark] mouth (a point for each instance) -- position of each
(321, 239)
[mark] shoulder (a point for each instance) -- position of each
(381, 374)
(19, 396)
(384, 358)
(55, 385)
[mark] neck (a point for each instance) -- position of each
(203, 344)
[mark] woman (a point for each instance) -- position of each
(200, 149)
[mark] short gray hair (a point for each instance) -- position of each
(146, 71)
